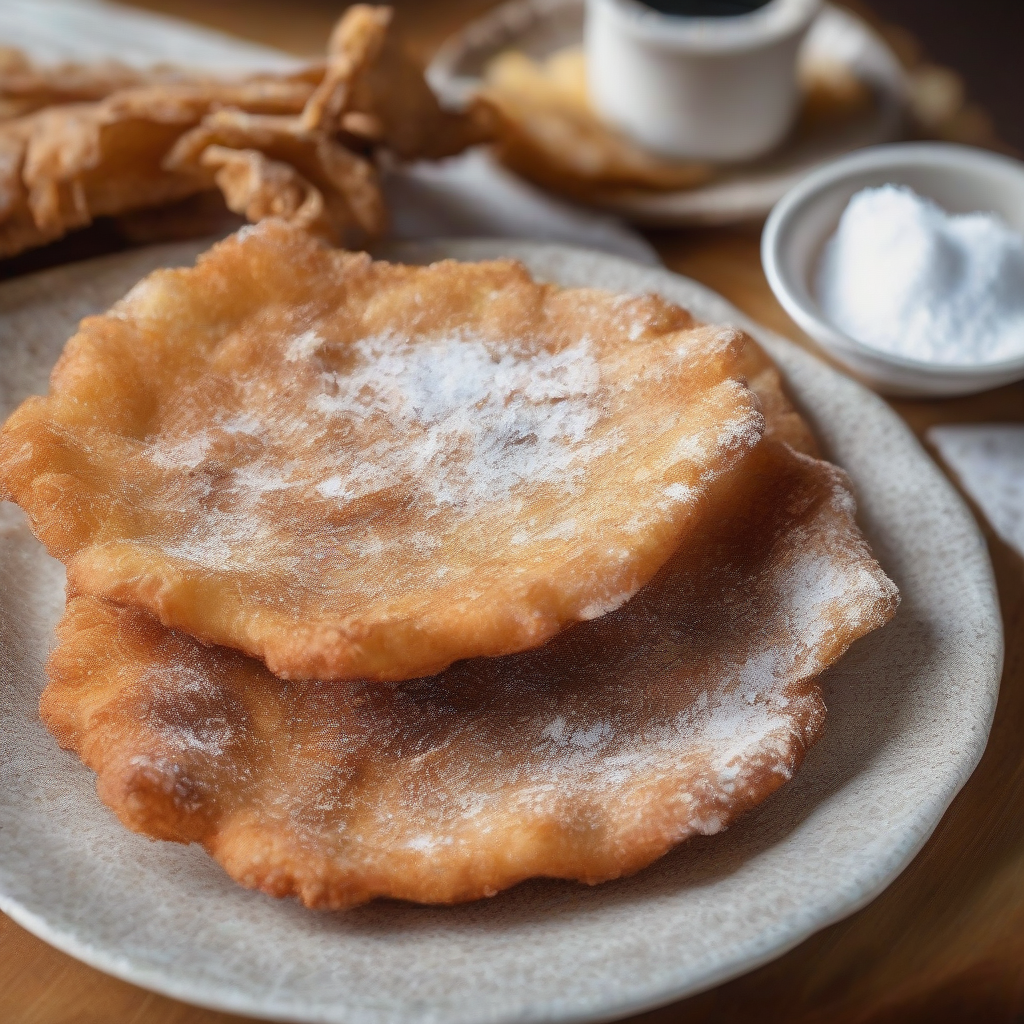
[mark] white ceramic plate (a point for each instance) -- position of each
(910, 708)
(745, 192)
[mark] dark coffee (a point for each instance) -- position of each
(705, 8)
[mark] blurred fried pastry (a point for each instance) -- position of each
(586, 759)
(257, 188)
(26, 87)
(391, 98)
(355, 44)
(354, 469)
(548, 131)
(64, 166)
(341, 199)
(306, 143)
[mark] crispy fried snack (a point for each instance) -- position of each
(273, 166)
(355, 45)
(586, 759)
(363, 470)
(26, 87)
(64, 166)
(374, 90)
(548, 132)
(257, 188)
(305, 143)
(371, 95)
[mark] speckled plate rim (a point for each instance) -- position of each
(744, 193)
(850, 421)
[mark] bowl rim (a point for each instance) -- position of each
(788, 210)
(774, 23)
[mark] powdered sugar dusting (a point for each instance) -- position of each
(516, 419)
(685, 702)
(453, 421)
(178, 703)
(450, 423)
(303, 346)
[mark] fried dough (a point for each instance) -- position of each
(390, 101)
(26, 86)
(548, 131)
(354, 469)
(306, 142)
(586, 759)
(276, 159)
(64, 166)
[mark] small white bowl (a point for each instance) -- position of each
(721, 88)
(960, 179)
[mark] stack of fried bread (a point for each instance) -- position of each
(417, 582)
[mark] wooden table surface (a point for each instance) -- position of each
(945, 943)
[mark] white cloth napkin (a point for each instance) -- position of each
(989, 462)
(465, 196)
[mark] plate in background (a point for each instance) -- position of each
(742, 193)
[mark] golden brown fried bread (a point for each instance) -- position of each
(782, 421)
(586, 759)
(267, 165)
(63, 166)
(354, 469)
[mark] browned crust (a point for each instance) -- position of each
(555, 763)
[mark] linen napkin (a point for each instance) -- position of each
(988, 460)
(465, 196)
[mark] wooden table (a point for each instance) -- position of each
(945, 943)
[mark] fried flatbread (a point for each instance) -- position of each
(586, 759)
(355, 469)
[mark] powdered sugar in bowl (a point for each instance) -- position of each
(950, 327)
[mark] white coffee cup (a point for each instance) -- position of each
(720, 88)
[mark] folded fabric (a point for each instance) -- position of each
(988, 459)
